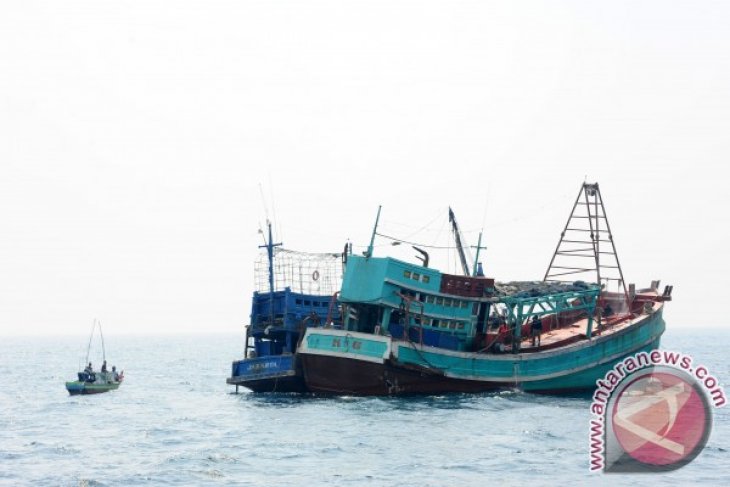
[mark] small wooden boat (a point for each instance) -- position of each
(94, 384)
(90, 382)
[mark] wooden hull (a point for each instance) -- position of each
(341, 376)
(77, 387)
(336, 362)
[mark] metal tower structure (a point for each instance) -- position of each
(587, 235)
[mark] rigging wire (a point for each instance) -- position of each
(413, 243)
(263, 201)
(91, 337)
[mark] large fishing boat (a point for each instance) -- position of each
(411, 329)
(294, 290)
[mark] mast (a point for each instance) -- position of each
(459, 246)
(91, 338)
(103, 348)
(369, 252)
(270, 252)
(476, 258)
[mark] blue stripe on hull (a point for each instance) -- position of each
(585, 380)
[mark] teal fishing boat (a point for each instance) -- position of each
(95, 382)
(411, 329)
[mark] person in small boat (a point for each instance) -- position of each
(103, 367)
(536, 329)
(115, 376)
(89, 371)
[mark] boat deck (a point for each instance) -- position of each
(576, 331)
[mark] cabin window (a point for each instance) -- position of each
(416, 276)
(475, 309)
(447, 302)
(464, 304)
(460, 325)
(307, 303)
(407, 274)
(429, 299)
(426, 279)
(452, 325)
(435, 323)
(439, 300)
(444, 324)
(299, 301)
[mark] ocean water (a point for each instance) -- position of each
(174, 421)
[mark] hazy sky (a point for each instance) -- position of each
(134, 137)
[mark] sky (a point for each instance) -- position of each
(143, 145)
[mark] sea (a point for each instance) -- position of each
(175, 421)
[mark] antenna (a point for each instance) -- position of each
(263, 201)
(273, 208)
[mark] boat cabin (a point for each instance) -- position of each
(406, 301)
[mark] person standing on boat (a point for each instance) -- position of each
(103, 367)
(536, 329)
(115, 376)
(90, 375)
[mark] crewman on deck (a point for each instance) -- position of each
(536, 329)
(103, 367)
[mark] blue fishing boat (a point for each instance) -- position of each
(411, 329)
(294, 291)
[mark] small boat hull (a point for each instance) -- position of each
(78, 387)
